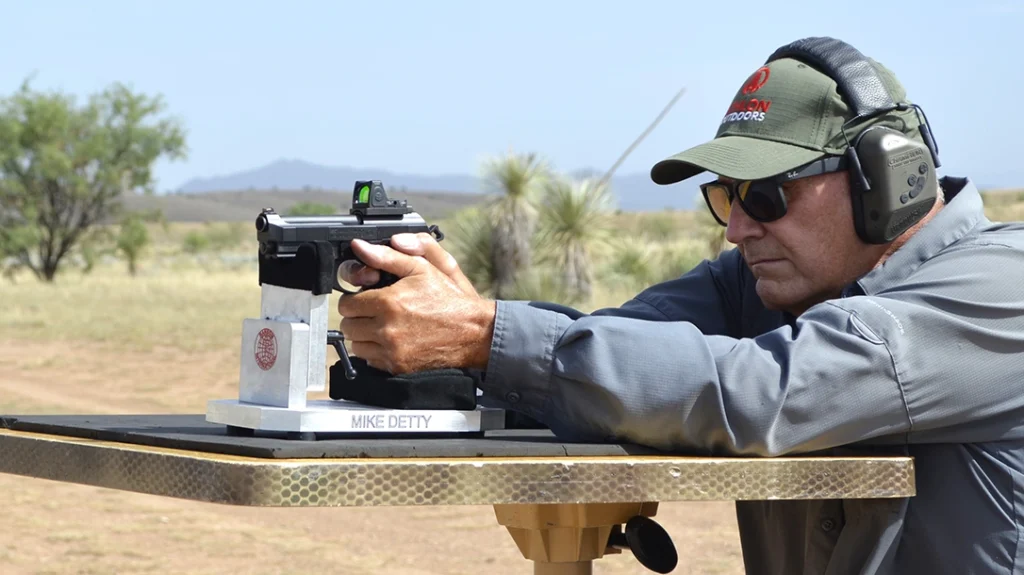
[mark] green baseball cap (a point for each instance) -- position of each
(786, 114)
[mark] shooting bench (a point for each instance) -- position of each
(564, 504)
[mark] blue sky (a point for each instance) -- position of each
(432, 87)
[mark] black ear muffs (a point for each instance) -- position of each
(902, 185)
(893, 182)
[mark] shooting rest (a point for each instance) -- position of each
(283, 359)
(564, 504)
(284, 351)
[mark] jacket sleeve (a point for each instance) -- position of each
(708, 296)
(932, 354)
(936, 360)
(665, 384)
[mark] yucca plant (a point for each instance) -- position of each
(545, 284)
(660, 226)
(469, 238)
(516, 178)
(633, 262)
(575, 218)
(677, 258)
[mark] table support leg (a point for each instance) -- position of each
(564, 539)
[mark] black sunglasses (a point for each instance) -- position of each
(763, 200)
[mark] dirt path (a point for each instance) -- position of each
(61, 528)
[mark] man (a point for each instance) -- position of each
(821, 332)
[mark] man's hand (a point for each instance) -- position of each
(421, 244)
(431, 318)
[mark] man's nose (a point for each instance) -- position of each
(741, 227)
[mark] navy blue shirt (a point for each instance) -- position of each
(923, 356)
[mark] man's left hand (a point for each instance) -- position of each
(426, 320)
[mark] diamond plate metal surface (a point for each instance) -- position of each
(456, 481)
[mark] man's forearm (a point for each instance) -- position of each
(667, 385)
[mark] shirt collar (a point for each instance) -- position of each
(963, 211)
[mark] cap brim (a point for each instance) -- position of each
(735, 157)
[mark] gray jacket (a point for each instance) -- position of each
(923, 356)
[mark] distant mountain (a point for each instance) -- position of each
(299, 174)
(635, 192)
(245, 205)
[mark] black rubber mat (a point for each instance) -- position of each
(193, 432)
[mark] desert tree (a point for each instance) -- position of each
(133, 236)
(64, 168)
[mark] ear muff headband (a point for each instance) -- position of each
(892, 178)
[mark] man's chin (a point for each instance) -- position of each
(786, 296)
(776, 295)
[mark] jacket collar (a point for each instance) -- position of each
(963, 211)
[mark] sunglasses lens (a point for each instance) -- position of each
(718, 201)
(763, 200)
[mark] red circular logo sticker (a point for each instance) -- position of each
(265, 349)
(756, 80)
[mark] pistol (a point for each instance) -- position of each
(306, 252)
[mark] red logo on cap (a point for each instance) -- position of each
(756, 80)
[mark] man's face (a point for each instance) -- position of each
(812, 252)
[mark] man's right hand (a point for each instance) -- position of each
(423, 245)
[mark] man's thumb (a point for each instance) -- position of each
(384, 258)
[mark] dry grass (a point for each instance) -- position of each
(1004, 205)
(186, 309)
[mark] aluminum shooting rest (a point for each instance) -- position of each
(564, 504)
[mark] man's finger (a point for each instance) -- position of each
(363, 304)
(408, 243)
(373, 353)
(386, 259)
(424, 244)
(360, 329)
(355, 273)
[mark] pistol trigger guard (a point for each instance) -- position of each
(436, 232)
(337, 275)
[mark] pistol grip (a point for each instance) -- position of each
(386, 279)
